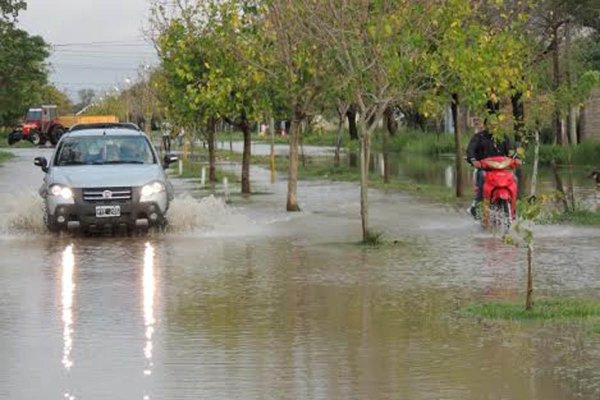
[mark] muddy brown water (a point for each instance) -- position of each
(248, 302)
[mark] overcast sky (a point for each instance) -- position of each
(97, 43)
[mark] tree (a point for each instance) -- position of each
(295, 64)
(554, 24)
(9, 9)
(49, 94)
(222, 35)
(183, 70)
(238, 90)
(22, 64)
(86, 96)
(378, 47)
(477, 56)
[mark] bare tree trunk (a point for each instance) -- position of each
(391, 123)
(582, 124)
(386, 150)
(559, 186)
(457, 147)
(570, 176)
(560, 137)
(351, 115)
(364, 179)
(573, 111)
(292, 195)
(272, 154)
(212, 169)
(536, 162)
(572, 117)
(246, 155)
(518, 111)
(301, 139)
(338, 140)
(529, 299)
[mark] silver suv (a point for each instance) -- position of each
(102, 179)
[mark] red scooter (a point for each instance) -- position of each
(500, 192)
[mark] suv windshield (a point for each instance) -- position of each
(93, 150)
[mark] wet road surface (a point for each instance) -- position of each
(249, 302)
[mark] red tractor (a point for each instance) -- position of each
(43, 124)
(39, 126)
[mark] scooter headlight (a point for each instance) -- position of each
(62, 191)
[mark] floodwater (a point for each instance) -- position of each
(245, 301)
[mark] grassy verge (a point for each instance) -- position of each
(4, 141)
(586, 153)
(546, 309)
(577, 217)
(5, 155)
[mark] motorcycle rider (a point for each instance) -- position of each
(484, 144)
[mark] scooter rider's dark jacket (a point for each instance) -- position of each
(483, 145)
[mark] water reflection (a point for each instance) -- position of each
(149, 287)
(68, 286)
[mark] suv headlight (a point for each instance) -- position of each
(61, 191)
(152, 189)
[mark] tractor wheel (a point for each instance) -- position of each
(36, 138)
(56, 134)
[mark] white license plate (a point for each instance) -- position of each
(108, 211)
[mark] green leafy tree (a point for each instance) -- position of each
(22, 64)
(477, 58)
(379, 48)
(294, 64)
(555, 25)
(9, 9)
(237, 91)
(49, 94)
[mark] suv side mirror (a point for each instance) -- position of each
(42, 163)
(169, 159)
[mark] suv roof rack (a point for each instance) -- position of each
(105, 125)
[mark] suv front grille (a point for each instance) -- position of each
(107, 194)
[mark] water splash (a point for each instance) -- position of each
(210, 214)
(22, 213)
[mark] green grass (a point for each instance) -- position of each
(5, 155)
(586, 153)
(544, 309)
(577, 217)
(373, 238)
(4, 140)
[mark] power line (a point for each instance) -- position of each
(98, 51)
(99, 43)
(95, 67)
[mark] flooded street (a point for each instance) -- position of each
(246, 301)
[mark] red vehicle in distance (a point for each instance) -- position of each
(43, 124)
